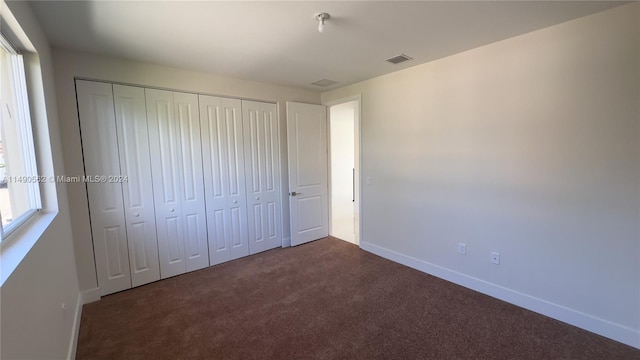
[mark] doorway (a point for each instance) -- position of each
(344, 169)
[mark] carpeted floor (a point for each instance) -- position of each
(324, 300)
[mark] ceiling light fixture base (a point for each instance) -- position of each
(322, 17)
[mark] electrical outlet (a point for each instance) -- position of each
(369, 180)
(462, 249)
(495, 258)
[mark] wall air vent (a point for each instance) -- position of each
(398, 59)
(324, 82)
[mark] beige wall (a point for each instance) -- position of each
(72, 64)
(33, 323)
(528, 147)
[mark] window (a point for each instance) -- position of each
(19, 180)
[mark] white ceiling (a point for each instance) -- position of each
(278, 42)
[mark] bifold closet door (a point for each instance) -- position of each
(262, 166)
(192, 185)
(106, 206)
(176, 163)
(135, 168)
(224, 173)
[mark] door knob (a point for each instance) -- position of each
(293, 193)
(257, 197)
(235, 201)
(172, 210)
(136, 215)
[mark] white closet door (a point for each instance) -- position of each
(135, 165)
(164, 136)
(192, 185)
(223, 160)
(99, 139)
(262, 164)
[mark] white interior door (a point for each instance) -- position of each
(99, 136)
(262, 165)
(192, 181)
(166, 179)
(223, 165)
(307, 145)
(135, 166)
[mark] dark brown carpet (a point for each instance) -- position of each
(324, 300)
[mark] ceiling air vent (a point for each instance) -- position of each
(398, 59)
(324, 82)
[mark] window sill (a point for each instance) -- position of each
(19, 243)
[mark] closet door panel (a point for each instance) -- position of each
(164, 144)
(262, 164)
(135, 165)
(192, 194)
(99, 136)
(224, 173)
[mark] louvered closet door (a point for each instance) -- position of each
(224, 174)
(262, 166)
(192, 185)
(100, 152)
(135, 165)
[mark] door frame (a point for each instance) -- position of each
(358, 159)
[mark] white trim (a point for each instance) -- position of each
(573, 317)
(84, 297)
(25, 129)
(91, 295)
(75, 330)
(185, 91)
(18, 83)
(13, 226)
(343, 100)
(7, 45)
(286, 242)
(358, 120)
(284, 193)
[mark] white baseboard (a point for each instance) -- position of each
(286, 242)
(584, 321)
(75, 330)
(89, 296)
(85, 297)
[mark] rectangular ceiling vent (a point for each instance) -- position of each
(324, 82)
(399, 59)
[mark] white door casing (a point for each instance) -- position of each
(224, 173)
(344, 197)
(262, 166)
(98, 127)
(135, 166)
(307, 145)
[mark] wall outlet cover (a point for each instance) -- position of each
(462, 249)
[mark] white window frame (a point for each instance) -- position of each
(27, 147)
